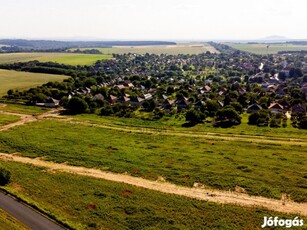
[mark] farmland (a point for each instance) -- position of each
(217, 163)
(262, 48)
(62, 58)
(88, 203)
(99, 142)
(22, 80)
(181, 48)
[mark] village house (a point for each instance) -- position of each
(49, 103)
(112, 99)
(136, 101)
(168, 104)
(276, 108)
(253, 108)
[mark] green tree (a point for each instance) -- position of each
(5, 176)
(77, 105)
(302, 123)
(211, 107)
(194, 116)
(227, 117)
(237, 106)
(260, 118)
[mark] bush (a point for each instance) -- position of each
(77, 105)
(5, 176)
(227, 117)
(302, 124)
(194, 116)
(261, 118)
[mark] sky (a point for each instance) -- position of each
(153, 19)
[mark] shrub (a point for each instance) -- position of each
(194, 116)
(260, 118)
(5, 176)
(77, 105)
(227, 117)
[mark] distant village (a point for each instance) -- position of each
(168, 84)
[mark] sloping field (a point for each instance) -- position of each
(22, 80)
(262, 48)
(62, 58)
(183, 48)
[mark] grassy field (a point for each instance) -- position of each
(262, 169)
(62, 58)
(176, 123)
(262, 48)
(23, 109)
(7, 222)
(22, 80)
(7, 119)
(184, 48)
(86, 203)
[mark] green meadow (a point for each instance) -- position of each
(175, 123)
(261, 169)
(183, 48)
(23, 109)
(88, 203)
(11, 79)
(62, 58)
(261, 48)
(7, 119)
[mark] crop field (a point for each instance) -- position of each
(7, 222)
(62, 58)
(172, 49)
(262, 48)
(22, 80)
(88, 203)
(224, 164)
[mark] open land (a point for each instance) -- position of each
(262, 47)
(181, 48)
(62, 58)
(107, 204)
(22, 80)
(90, 203)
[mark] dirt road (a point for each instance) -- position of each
(217, 196)
(205, 135)
(198, 193)
(24, 119)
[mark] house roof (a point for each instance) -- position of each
(276, 106)
(52, 100)
(254, 106)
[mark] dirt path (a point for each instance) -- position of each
(205, 135)
(216, 196)
(24, 118)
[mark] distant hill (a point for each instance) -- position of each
(49, 44)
